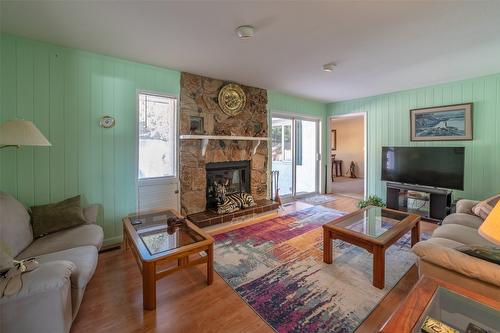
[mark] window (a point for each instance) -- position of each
(281, 136)
(277, 140)
(157, 136)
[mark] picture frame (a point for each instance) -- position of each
(196, 125)
(333, 139)
(442, 123)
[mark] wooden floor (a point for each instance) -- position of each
(113, 299)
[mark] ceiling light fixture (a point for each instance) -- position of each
(245, 31)
(329, 67)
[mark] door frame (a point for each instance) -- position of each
(158, 180)
(319, 146)
(365, 150)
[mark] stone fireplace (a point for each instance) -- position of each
(199, 99)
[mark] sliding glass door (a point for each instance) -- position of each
(281, 152)
(306, 156)
(295, 154)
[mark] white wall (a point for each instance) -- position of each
(350, 142)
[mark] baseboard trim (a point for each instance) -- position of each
(112, 242)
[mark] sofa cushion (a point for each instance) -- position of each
(461, 234)
(444, 242)
(15, 227)
(91, 212)
(87, 234)
(465, 206)
(484, 208)
(467, 220)
(50, 218)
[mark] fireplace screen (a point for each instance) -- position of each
(235, 175)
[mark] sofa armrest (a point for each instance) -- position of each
(459, 262)
(90, 213)
(465, 206)
(48, 276)
(44, 302)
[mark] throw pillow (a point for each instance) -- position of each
(50, 218)
(484, 208)
(488, 253)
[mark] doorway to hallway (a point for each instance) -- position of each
(347, 155)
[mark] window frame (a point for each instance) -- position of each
(163, 179)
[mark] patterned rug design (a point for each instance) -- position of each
(318, 199)
(277, 267)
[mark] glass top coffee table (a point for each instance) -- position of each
(154, 243)
(451, 304)
(374, 229)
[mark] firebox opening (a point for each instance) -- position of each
(235, 174)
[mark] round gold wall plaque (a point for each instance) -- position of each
(232, 99)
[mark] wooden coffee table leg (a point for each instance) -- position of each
(327, 247)
(415, 234)
(379, 267)
(210, 264)
(149, 285)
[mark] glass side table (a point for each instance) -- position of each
(448, 303)
(153, 244)
(458, 311)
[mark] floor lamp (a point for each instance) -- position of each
(17, 133)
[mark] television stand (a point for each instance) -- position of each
(432, 204)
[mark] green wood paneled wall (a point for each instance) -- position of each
(65, 92)
(280, 102)
(388, 119)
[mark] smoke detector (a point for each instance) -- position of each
(329, 67)
(245, 31)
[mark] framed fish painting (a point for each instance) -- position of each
(442, 123)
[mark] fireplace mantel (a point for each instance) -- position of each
(205, 138)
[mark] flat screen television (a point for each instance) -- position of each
(427, 166)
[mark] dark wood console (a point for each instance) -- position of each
(435, 203)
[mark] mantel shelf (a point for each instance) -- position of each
(222, 137)
(205, 138)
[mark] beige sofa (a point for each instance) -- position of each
(51, 294)
(438, 257)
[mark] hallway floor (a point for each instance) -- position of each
(352, 187)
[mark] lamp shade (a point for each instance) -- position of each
(19, 132)
(490, 229)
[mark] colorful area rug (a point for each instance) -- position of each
(277, 267)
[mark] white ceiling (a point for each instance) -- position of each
(378, 46)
